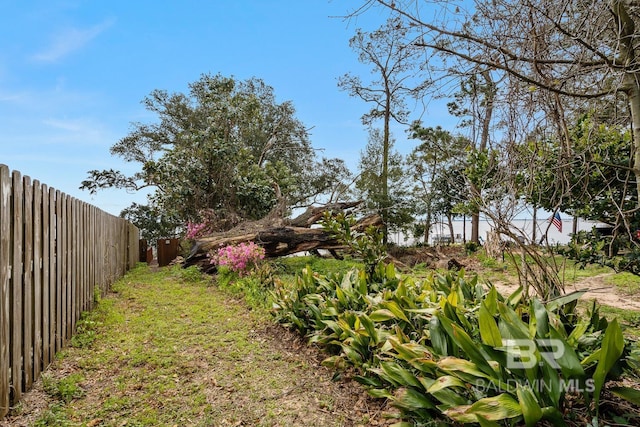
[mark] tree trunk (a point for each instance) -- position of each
(277, 241)
(464, 229)
(385, 167)
(493, 245)
(634, 106)
(631, 83)
(475, 226)
(427, 226)
(534, 231)
(313, 214)
(489, 95)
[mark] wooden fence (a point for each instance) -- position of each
(56, 254)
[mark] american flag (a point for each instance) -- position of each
(557, 221)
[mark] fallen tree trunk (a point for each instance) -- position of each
(313, 214)
(276, 241)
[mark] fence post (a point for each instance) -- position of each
(46, 238)
(167, 251)
(60, 265)
(52, 280)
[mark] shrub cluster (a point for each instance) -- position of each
(621, 252)
(238, 258)
(448, 348)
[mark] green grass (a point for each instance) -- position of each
(294, 264)
(499, 270)
(626, 283)
(66, 389)
(629, 319)
(167, 348)
(55, 415)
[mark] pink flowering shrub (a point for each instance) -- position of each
(238, 258)
(194, 230)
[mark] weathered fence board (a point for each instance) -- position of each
(60, 264)
(51, 280)
(16, 288)
(27, 279)
(56, 254)
(168, 250)
(38, 242)
(5, 272)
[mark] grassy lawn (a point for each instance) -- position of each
(168, 349)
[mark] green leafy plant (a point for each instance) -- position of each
(66, 389)
(448, 347)
(471, 247)
(85, 331)
(368, 244)
(54, 416)
(621, 252)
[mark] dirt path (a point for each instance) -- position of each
(598, 289)
(607, 294)
(171, 353)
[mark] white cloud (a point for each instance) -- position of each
(70, 40)
(12, 97)
(76, 132)
(28, 102)
(71, 125)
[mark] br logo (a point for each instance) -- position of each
(523, 353)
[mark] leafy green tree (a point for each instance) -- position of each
(554, 61)
(600, 172)
(475, 103)
(153, 224)
(226, 151)
(599, 186)
(394, 206)
(568, 49)
(449, 192)
(437, 166)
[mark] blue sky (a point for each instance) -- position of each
(73, 73)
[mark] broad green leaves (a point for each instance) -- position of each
(610, 352)
(444, 347)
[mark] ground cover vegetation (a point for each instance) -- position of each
(443, 348)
